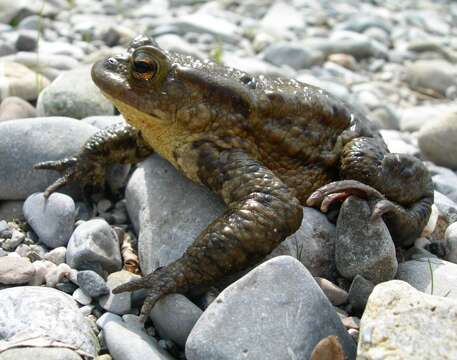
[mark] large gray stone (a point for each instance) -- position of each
(277, 311)
(168, 211)
(174, 316)
(126, 340)
(400, 322)
(94, 245)
(27, 142)
(52, 219)
(363, 247)
(44, 317)
(73, 94)
(117, 303)
(432, 276)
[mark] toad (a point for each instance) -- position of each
(267, 146)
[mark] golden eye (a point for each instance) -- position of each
(144, 66)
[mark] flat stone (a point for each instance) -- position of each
(37, 353)
(431, 276)
(15, 270)
(413, 118)
(434, 75)
(73, 94)
(363, 246)
(26, 143)
(174, 316)
(44, 317)
(14, 107)
(293, 55)
(359, 292)
(52, 219)
(127, 340)
(252, 318)
(81, 297)
(400, 322)
(335, 294)
(94, 245)
(57, 255)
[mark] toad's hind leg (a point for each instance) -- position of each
(262, 213)
(397, 185)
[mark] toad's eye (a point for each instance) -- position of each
(144, 66)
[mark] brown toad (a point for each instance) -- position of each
(266, 146)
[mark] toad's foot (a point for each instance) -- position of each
(328, 194)
(74, 169)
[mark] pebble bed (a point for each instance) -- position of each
(394, 61)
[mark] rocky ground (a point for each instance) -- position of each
(396, 61)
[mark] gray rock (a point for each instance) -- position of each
(172, 42)
(446, 207)
(446, 184)
(102, 121)
(251, 318)
(20, 81)
(273, 21)
(400, 142)
(12, 243)
(15, 270)
(359, 292)
(92, 283)
(52, 219)
(313, 244)
(155, 194)
(293, 55)
(37, 353)
(438, 140)
(81, 297)
(363, 246)
(66, 287)
(14, 107)
(27, 40)
(73, 94)
(126, 340)
(5, 231)
(174, 316)
(11, 210)
(431, 75)
(432, 276)
(94, 245)
(36, 140)
(362, 22)
(39, 316)
(402, 323)
(385, 118)
(117, 303)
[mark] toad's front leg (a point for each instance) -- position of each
(398, 186)
(262, 213)
(119, 143)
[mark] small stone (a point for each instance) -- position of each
(86, 310)
(117, 303)
(14, 107)
(42, 268)
(174, 316)
(94, 246)
(104, 205)
(51, 218)
(66, 287)
(13, 242)
(73, 94)
(57, 255)
(438, 140)
(434, 75)
(363, 246)
(351, 322)
(27, 40)
(5, 231)
(57, 274)
(400, 322)
(80, 296)
(335, 294)
(451, 243)
(92, 283)
(249, 319)
(294, 55)
(41, 316)
(359, 292)
(15, 270)
(18, 80)
(105, 318)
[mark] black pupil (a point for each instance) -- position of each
(142, 66)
